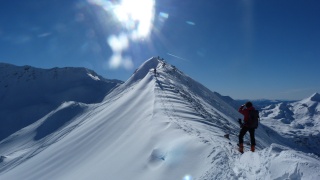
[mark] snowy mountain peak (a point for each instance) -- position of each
(315, 97)
(144, 69)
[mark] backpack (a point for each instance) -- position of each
(253, 120)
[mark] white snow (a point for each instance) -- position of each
(94, 77)
(151, 127)
(298, 123)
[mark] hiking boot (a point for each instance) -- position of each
(252, 148)
(241, 147)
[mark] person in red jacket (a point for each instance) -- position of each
(244, 110)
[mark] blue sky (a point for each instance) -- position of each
(245, 49)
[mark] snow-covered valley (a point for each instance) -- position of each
(152, 127)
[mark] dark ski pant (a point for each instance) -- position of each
(243, 132)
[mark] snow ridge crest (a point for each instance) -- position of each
(143, 70)
(315, 97)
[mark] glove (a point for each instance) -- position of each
(241, 124)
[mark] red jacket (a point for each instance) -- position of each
(245, 113)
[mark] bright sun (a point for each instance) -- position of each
(136, 18)
(136, 15)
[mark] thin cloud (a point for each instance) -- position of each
(44, 35)
(191, 23)
(177, 57)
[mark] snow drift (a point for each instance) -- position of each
(153, 126)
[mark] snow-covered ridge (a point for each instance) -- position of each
(11, 73)
(28, 93)
(315, 97)
(157, 126)
(143, 70)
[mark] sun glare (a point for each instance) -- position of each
(135, 16)
(187, 177)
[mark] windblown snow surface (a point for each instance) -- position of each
(152, 127)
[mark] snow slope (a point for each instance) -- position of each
(28, 93)
(298, 122)
(163, 126)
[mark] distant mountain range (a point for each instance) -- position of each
(298, 121)
(27, 93)
(261, 103)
